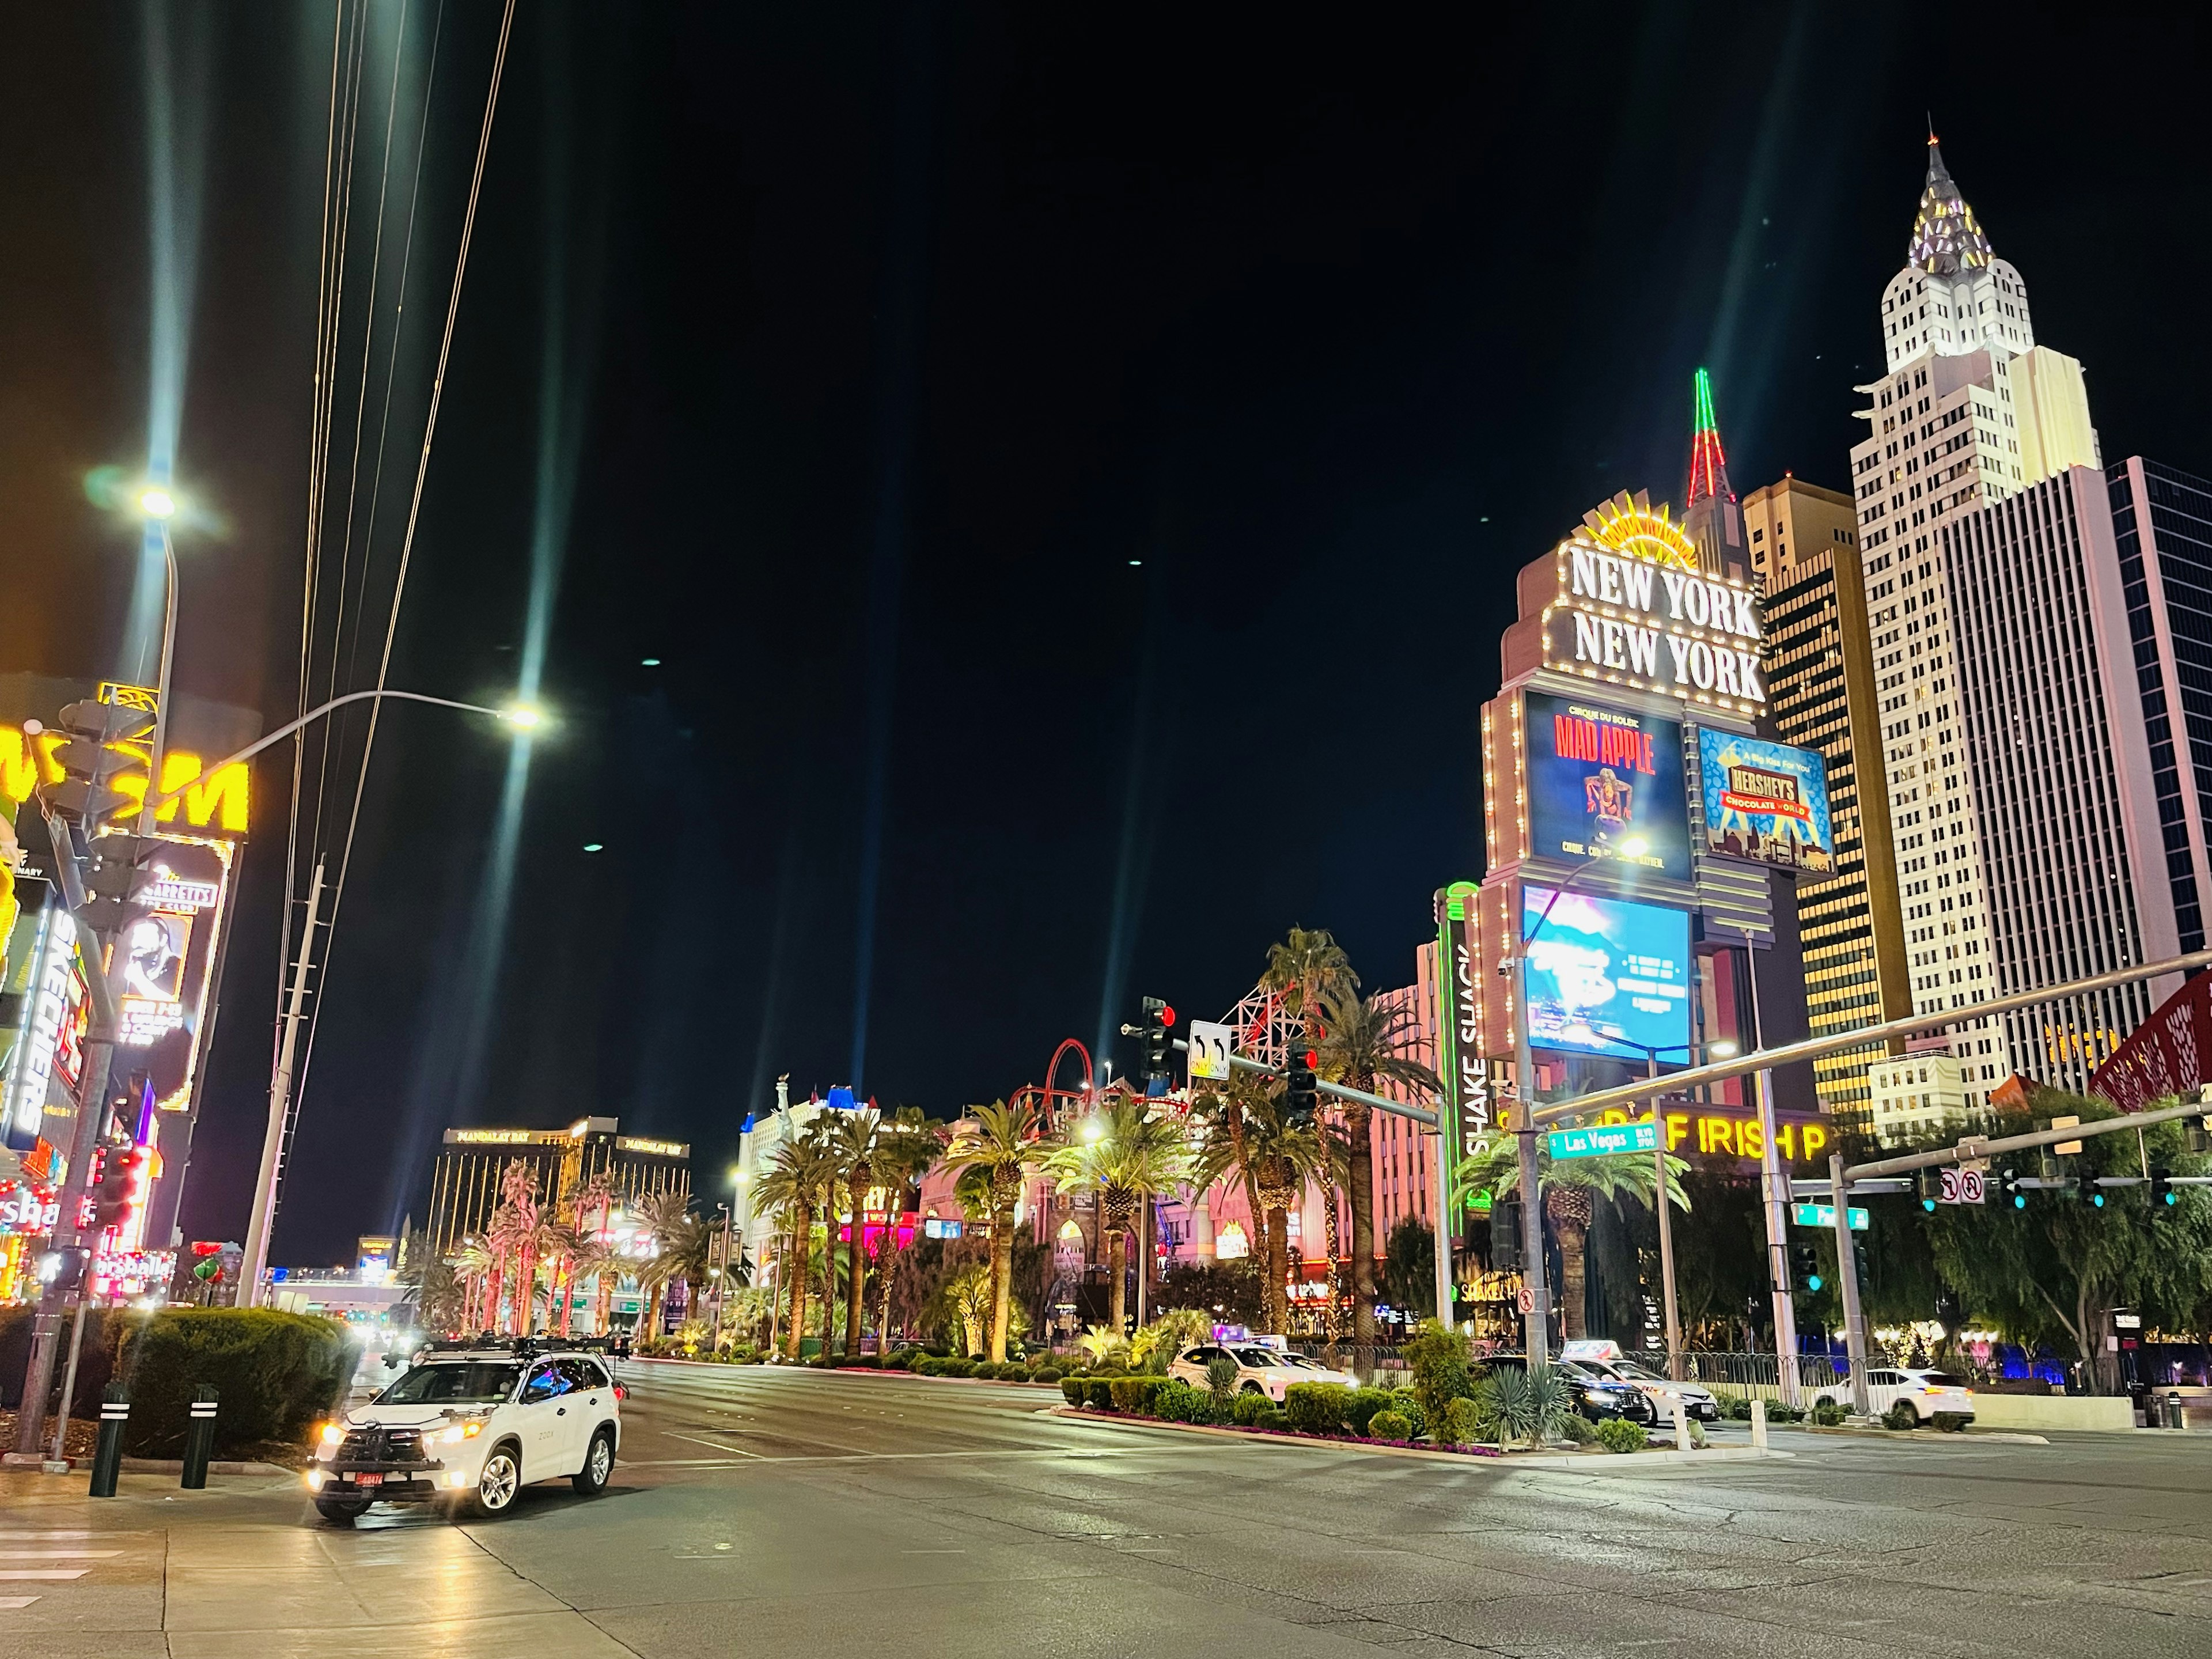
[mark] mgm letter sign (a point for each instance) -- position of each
(1633, 608)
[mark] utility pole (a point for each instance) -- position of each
(1665, 1225)
(1847, 1275)
(1773, 1195)
(280, 1100)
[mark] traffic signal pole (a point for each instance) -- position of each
(1847, 1276)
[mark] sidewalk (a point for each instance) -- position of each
(245, 1568)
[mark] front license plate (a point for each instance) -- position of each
(368, 1479)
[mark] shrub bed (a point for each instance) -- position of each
(1900, 1415)
(1360, 1405)
(1315, 1407)
(1247, 1409)
(1387, 1424)
(1618, 1434)
(1828, 1415)
(1950, 1422)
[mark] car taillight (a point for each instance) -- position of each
(621, 1393)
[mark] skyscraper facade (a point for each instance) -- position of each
(1970, 412)
(1803, 544)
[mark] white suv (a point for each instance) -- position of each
(1259, 1369)
(1926, 1391)
(472, 1425)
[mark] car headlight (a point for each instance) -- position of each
(459, 1432)
(332, 1434)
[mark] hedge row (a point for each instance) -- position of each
(1324, 1408)
(275, 1374)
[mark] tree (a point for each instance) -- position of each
(1307, 965)
(682, 1245)
(507, 1234)
(1569, 1188)
(851, 1139)
(791, 1188)
(436, 1289)
(1125, 1156)
(1409, 1265)
(2050, 1272)
(995, 1145)
(1244, 1133)
(1364, 1042)
(908, 1146)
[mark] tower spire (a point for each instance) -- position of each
(1714, 521)
(1708, 461)
(1946, 238)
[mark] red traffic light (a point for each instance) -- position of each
(1167, 1016)
(1313, 1059)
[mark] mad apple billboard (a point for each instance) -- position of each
(1764, 801)
(1606, 976)
(1601, 779)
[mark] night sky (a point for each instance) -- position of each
(1070, 466)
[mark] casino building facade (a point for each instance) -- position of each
(465, 1187)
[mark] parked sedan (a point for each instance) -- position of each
(1927, 1392)
(1259, 1370)
(1695, 1402)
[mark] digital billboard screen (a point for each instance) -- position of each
(1606, 976)
(1767, 802)
(1602, 782)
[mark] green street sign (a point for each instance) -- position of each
(1824, 1215)
(1600, 1139)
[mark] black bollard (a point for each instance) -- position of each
(107, 1456)
(200, 1439)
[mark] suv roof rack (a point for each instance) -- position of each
(522, 1347)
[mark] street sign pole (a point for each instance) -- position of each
(1773, 1188)
(1847, 1275)
(1537, 1304)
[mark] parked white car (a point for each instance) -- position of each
(1697, 1402)
(1928, 1392)
(472, 1425)
(1259, 1370)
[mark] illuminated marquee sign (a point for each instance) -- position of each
(490, 1137)
(654, 1148)
(1729, 1135)
(49, 1020)
(1633, 608)
(216, 803)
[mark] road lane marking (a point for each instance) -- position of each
(670, 1434)
(16, 1603)
(15, 1574)
(53, 1555)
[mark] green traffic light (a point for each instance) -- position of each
(1813, 1283)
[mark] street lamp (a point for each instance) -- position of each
(1537, 1337)
(158, 506)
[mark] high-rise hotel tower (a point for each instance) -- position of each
(2013, 738)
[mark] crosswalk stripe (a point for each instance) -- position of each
(15, 1574)
(53, 1555)
(16, 1603)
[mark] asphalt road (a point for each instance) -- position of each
(771, 1512)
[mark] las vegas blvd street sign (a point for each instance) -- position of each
(1601, 1137)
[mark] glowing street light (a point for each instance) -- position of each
(156, 502)
(524, 716)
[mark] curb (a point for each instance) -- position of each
(1588, 1462)
(1924, 1436)
(220, 1466)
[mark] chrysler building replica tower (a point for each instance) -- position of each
(1971, 411)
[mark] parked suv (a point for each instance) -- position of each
(472, 1425)
(1927, 1392)
(1260, 1368)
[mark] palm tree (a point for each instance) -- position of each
(477, 1264)
(1126, 1156)
(1570, 1189)
(852, 1140)
(792, 1186)
(1363, 1042)
(680, 1241)
(1306, 966)
(1273, 1158)
(993, 1146)
(437, 1291)
(908, 1146)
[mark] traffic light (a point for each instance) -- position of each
(1931, 1185)
(2011, 1180)
(1505, 1235)
(1302, 1091)
(2161, 1186)
(91, 762)
(113, 876)
(111, 1190)
(1158, 1018)
(1805, 1267)
(1859, 1260)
